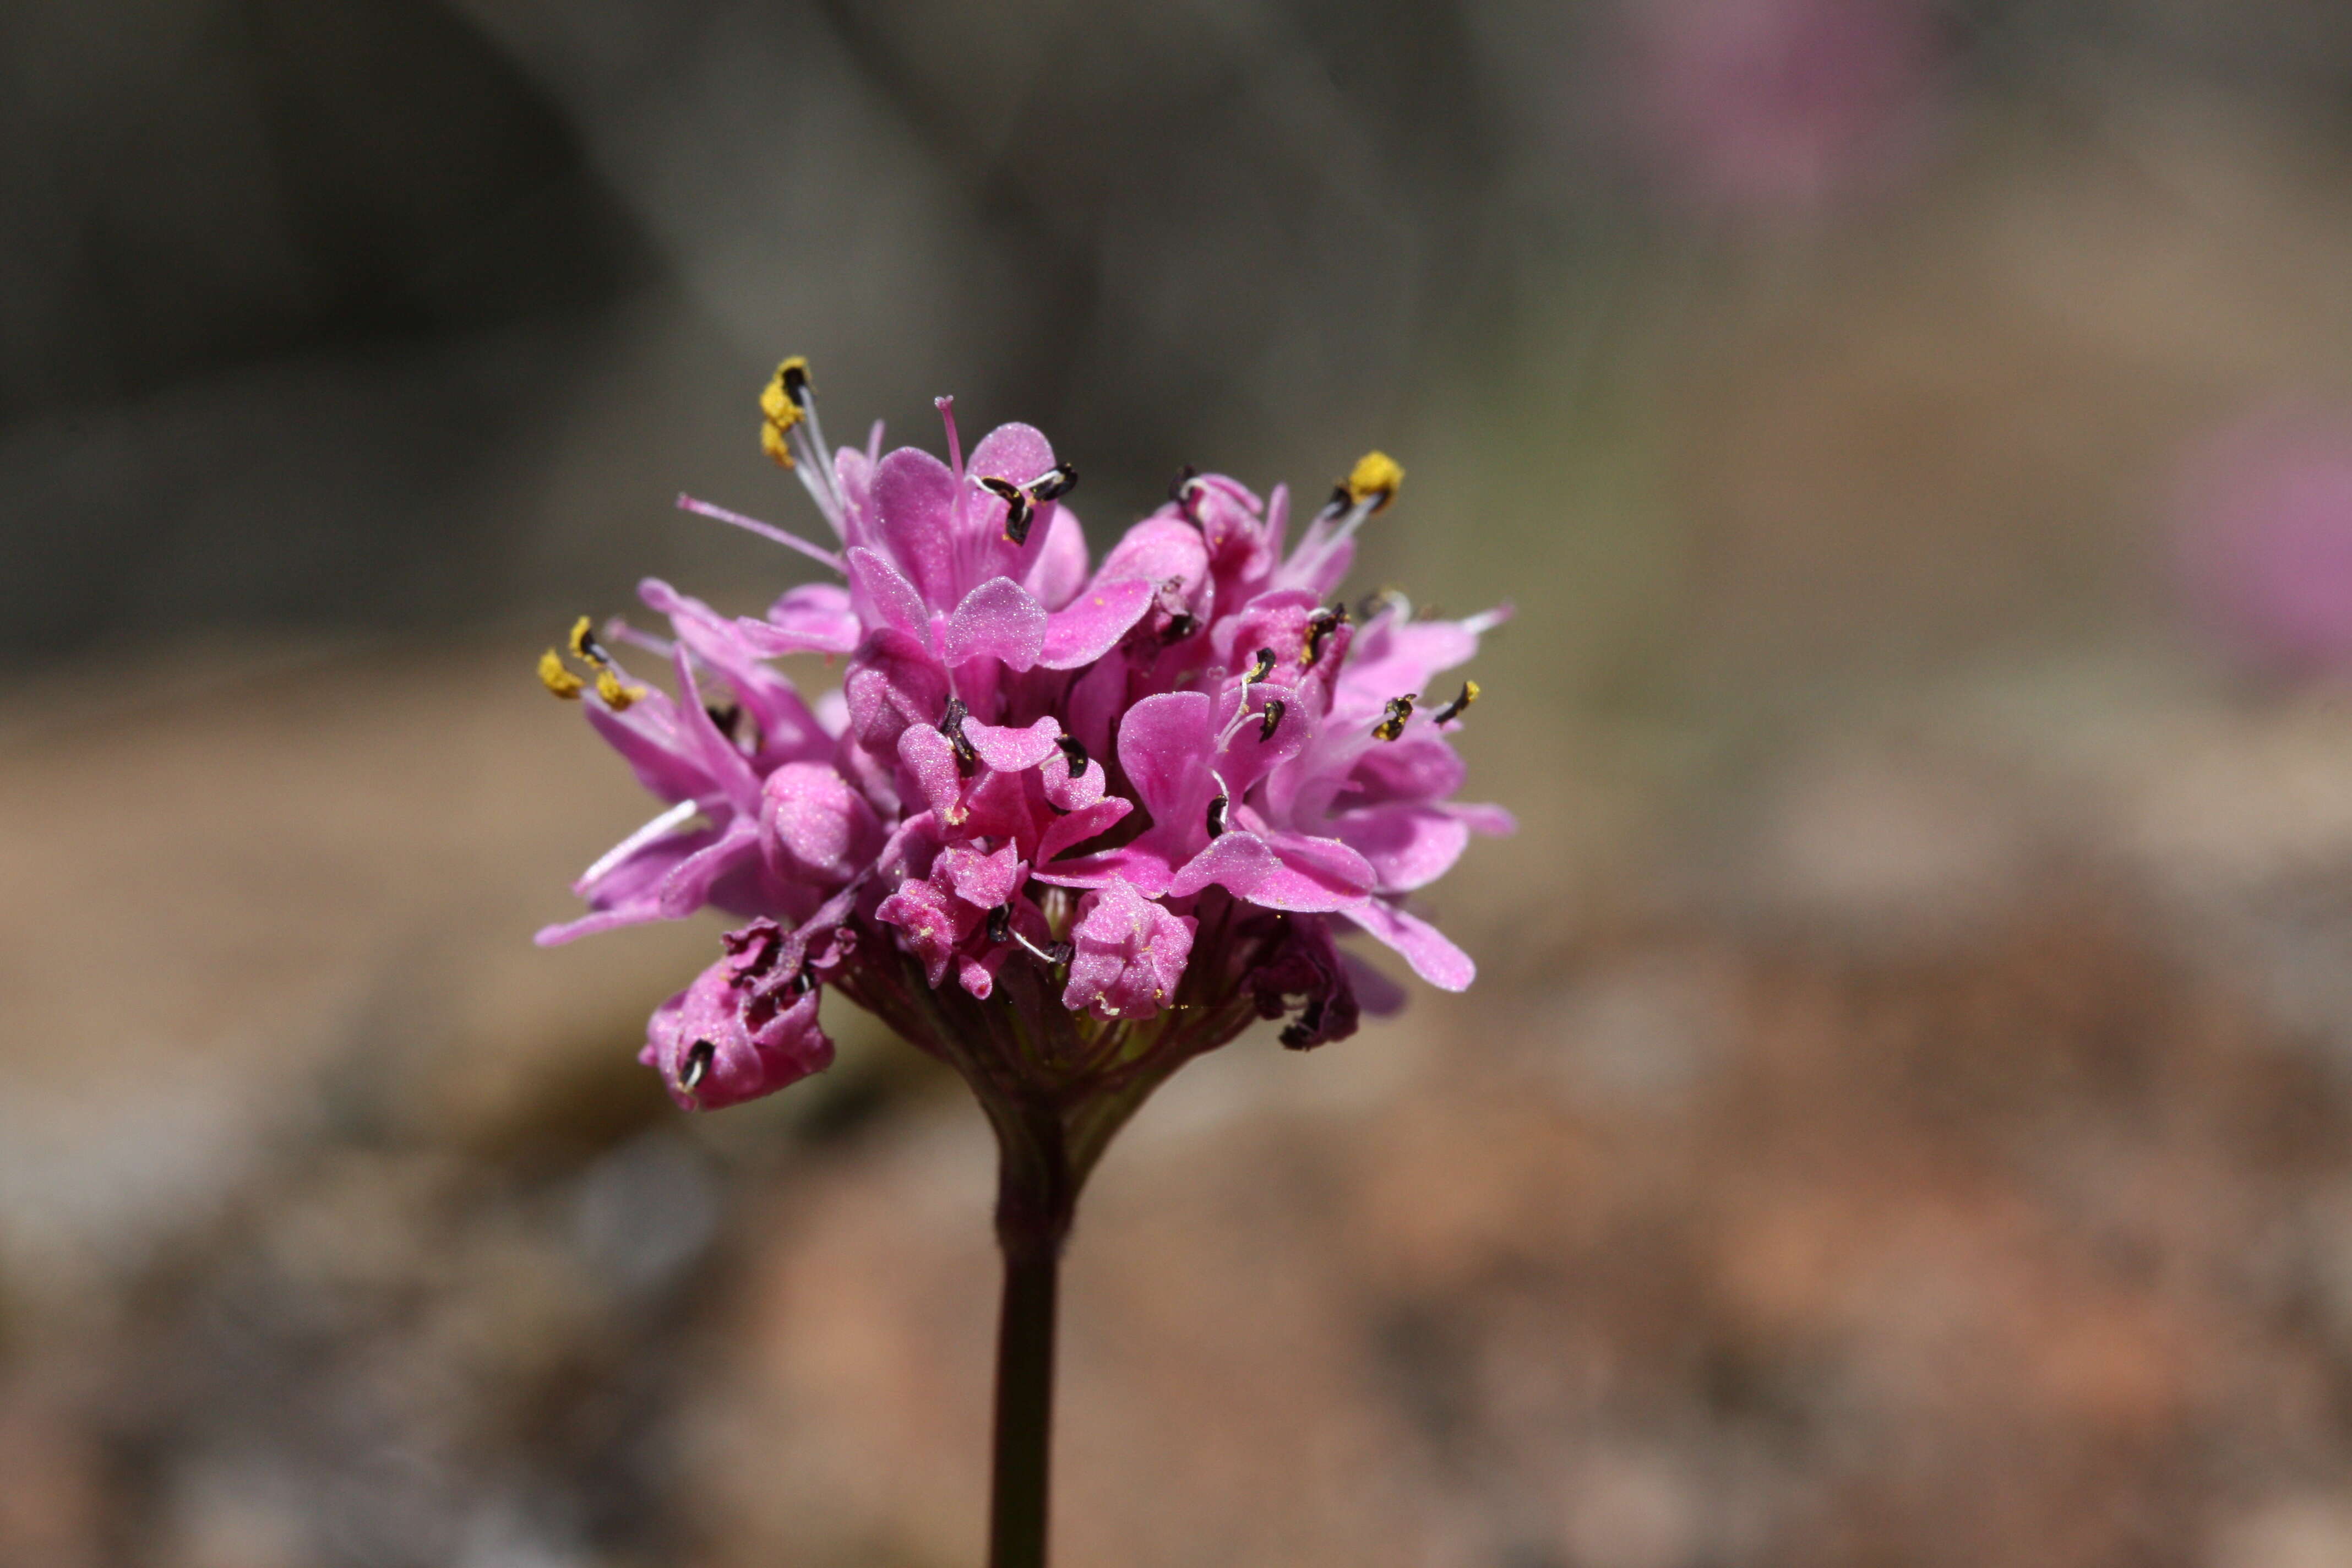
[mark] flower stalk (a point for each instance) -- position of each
(1034, 1202)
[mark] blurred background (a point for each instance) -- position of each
(1906, 1113)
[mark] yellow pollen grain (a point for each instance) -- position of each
(1376, 474)
(558, 679)
(616, 696)
(582, 642)
(778, 413)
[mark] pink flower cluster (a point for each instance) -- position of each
(1063, 826)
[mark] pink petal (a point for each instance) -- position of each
(1480, 817)
(813, 824)
(914, 507)
(1068, 832)
(728, 767)
(1422, 945)
(1060, 569)
(1159, 549)
(1017, 452)
(1247, 866)
(1409, 846)
(1092, 624)
(688, 886)
(1009, 750)
(981, 880)
(647, 737)
(814, 617)
(894, 598)
(1136, 863)
(1164, 744)
(997, 620)
(931, 757)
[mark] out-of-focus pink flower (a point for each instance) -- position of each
(1066, 829)
(1779, 103)
(2265, 547)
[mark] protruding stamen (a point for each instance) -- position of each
(951, 726)
(1053, 483)
(583, 644)
(1393, 720)
(616, 695)
(1219, 805)
(558, 679)
(1019, 513)
(764, 529)
(698, 1061)
(1000, 930)
(782, 405)
(1073, 753)
(1271, 720)
(1375, 479)
(667, 822)
(1259, 670)
(1460, 705)
(1321, 624)
(1181, 490)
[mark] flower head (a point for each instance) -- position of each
(1064, 826)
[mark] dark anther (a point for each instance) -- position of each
(1018, 513)
(1073, 753)
(801, 984)
(1308, 1028)
(1180, 491)
(796, 383)
(1392, 725)
(1340, 502)
(1270, 720)
(728, 719)
(1217, 807)
(1180, 626)
(1321, 624)
(1261, 669)
(1454, 708)
(697, 1062)
(1060, 953)
(1385, 599)
(1000, 923)
(951, 726)
(585, 646)
(1059, 480)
